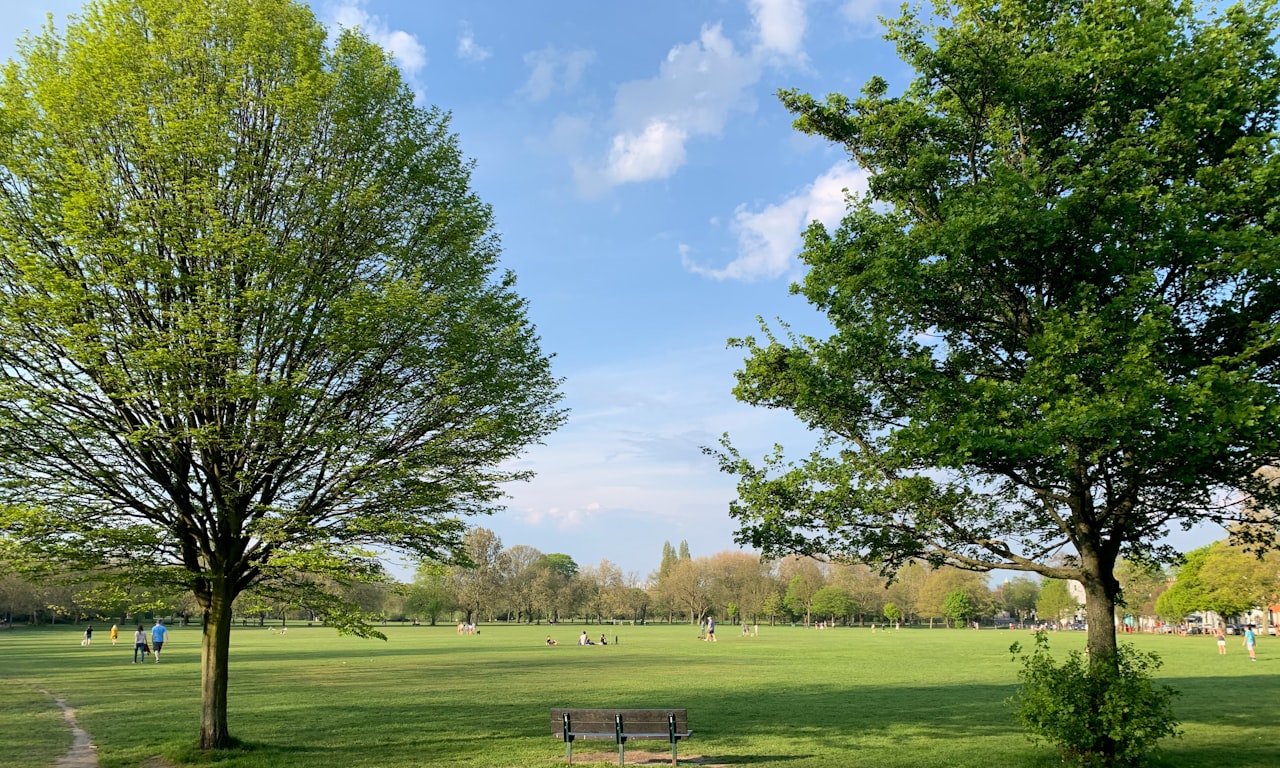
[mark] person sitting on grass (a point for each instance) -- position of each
(550, 641)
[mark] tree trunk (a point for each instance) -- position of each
(1100, 591)
(214, 647)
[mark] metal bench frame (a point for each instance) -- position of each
(570, 724)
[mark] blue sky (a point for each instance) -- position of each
(650, 193)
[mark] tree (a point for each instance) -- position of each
(250, 317)
(520, 562)
(739, 579)
(1055, 309)
(1018, 596)
(1055, 601)
(866, 587)
(774, 605)
(940, 583)
(478, 582)
(803, 577)
(958, 607)
(429, 593)
(687, 587)
(1236, 581)
(560, 563)
(1187, 593)
(1140, 584)
(833, 602)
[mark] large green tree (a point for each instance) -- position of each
(251, 323)
(1054, 312)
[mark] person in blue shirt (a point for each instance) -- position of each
(158, 633)
(1250, 642)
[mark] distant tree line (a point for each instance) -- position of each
(524, 585)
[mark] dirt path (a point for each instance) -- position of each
(82, 753)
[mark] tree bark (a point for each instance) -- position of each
(1100, 592)
(214, 648)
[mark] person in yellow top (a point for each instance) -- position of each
(115, 634)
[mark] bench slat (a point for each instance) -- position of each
(620, 726)
(602, 720)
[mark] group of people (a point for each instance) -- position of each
(1249, 641)
(158, 635)
(583, 639)
(141, 648)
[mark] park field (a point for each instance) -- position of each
(791, 697)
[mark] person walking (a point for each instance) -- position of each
(1250, 642)
(115, 634)
(711, 630)
(88, 636)
(139, 645)
(158, 633)
(1222, 640)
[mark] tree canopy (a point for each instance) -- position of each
(251, 323)
(1055, 310)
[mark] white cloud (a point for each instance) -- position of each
(653, 153)
(698, 86)
(769, 239)
(865, 14)
(780, 25)
(410, 55)
(552, 70)
(468, 50)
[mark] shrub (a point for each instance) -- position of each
(1098, 715)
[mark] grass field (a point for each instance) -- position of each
(791, 698)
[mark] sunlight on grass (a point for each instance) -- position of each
(792, 698)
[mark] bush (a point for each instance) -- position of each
(1098, 715)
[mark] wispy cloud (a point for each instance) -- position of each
(410, 55)
(628, 468)
(698, 86)
(552, 70)
(770, 238)
(865, 15)
(468, 49)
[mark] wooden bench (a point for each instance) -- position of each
(620, 725)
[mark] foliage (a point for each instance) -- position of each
(1141, 583)
(1055, 311)
(1018, 596)
(1055, 601)
(958, 607)
(800, 593)
(560, 563)
(429, 596)
(252, 324)
(1097, 715)
(833, 602)
(1187, 593)
(892, 612)
(1236, 580)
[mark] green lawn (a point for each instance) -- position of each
(791, 698)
